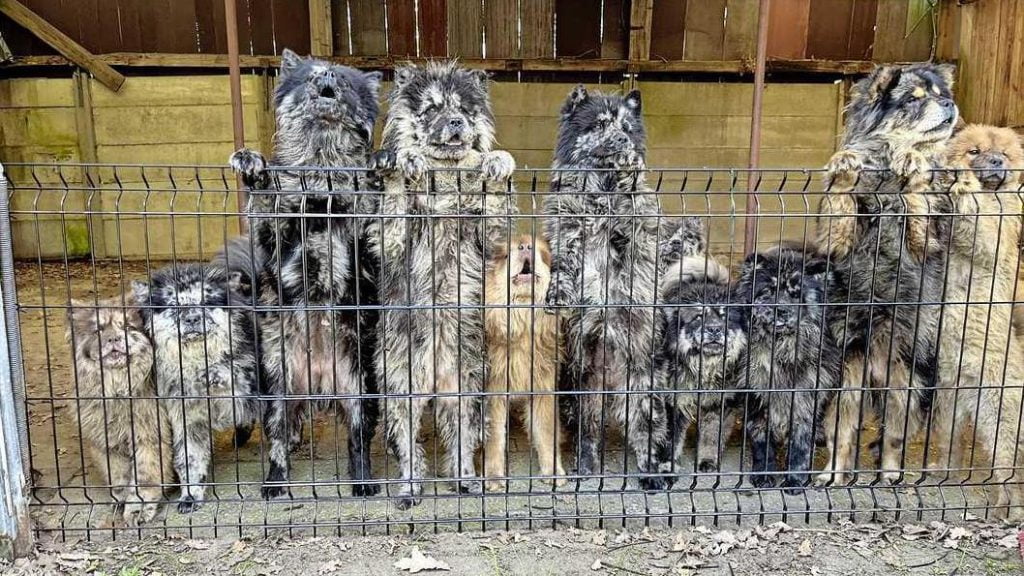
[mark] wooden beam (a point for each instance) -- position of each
(640, 14)
(321, 30)
(60, 42)
(133, 59)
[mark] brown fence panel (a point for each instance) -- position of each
(705, 30)
(615, 32)
(465, 29)
(787, 28)
(369, 35)
(841, 29)
(538, 25)
(434, 28)
(741, 30)
(291, 25)
(668, 20)
(582, 37)
(500, 23)
(401, 27)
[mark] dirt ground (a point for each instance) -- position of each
(968, 549)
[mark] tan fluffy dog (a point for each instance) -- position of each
(519, 337)
(977, 347)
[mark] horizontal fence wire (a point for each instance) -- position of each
(378, 357)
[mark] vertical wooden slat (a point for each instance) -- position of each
(668, 21)
(401, 24)
(741, 30)
(579, 33)
(321, 28)
(949, 31)
(828, 29)
(465, 29)
(433, 28)
(209, 23)
(1015, 86)
(892, 41)
(291, 24)
(260, 25)
(368, 34)
(538, 26)
(615, 37)
(339, 28)
(500, 25)
(862, 30)
(705, 30)
(787, 28)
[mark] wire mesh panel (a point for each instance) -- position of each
(445, 354)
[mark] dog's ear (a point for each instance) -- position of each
(289, 61)
(404, 75)
(815, 266)
(633, 102)
(948, 74)
(545, 252)
(481, 76)
(140, 292)
(880, 82)
(373, 80)
(578, 96)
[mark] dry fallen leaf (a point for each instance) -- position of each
(805, 548)
(600, 538)
(1008, 541)
(417, 562)
(596, 565)
(553, 544)
(913, 532)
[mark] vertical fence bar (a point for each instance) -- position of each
(15, 534)
(750, 221)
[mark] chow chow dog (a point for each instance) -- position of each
(792, 366)
(981, 361)
(522, 349)
(325, 117)
(897, 123)
(444, 211)
(205, 364)
(603, 228)
(118, 415)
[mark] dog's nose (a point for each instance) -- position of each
(947, 103)
(620, 139)
(997, 161)
(456, 123)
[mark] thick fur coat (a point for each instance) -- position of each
(792, 366)
(602, 223)
(981, 361)
(205, 364)
(444, 211)
(522, 348)
(325, 116)
(883, 251)
(118, 414)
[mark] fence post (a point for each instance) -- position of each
(15, 530)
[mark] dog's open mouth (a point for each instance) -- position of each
(712, 348)
(115, 358)
(328, 93)
(525, 273)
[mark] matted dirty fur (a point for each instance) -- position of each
(325, 117)
(118, 414)
(437, 162)
(792, 364)
(522, 344)
(602, 223)
(981, 359)
(205, 364)
(897, 123)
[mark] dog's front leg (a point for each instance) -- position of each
(762, 449)
(837, 212)
(801, 439)
(191, 440)
(251, 166)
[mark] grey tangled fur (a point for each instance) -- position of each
(792, 365)
(316, 260)
(438, 261)
(205, 364)
(599, 262)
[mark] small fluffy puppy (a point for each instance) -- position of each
(118, 416)
(205, 364)
(325, 115)
(792, 364)
(977, 346)
(887, 259)
(437, 162)
(522, 348)
(602, 224)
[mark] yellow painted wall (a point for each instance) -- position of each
(184, 212)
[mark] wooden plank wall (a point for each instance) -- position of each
(159, 121)
(701, 30)
(990, 88)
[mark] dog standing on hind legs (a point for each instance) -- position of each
(602, 224)
(887, 262)
(981, 360)
(325, 117)
(437, 162)
(522, 347)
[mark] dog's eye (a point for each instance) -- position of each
(974, 151)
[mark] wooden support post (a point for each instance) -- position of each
(60, 42)
(750, 224)
(640, 15)
(91, 198)
(321, 30)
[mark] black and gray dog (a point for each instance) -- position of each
(602, 224)
(205, 364)
(325, 117)
(792, 365)
(438, 164)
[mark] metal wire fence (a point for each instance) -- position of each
(448, 356)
